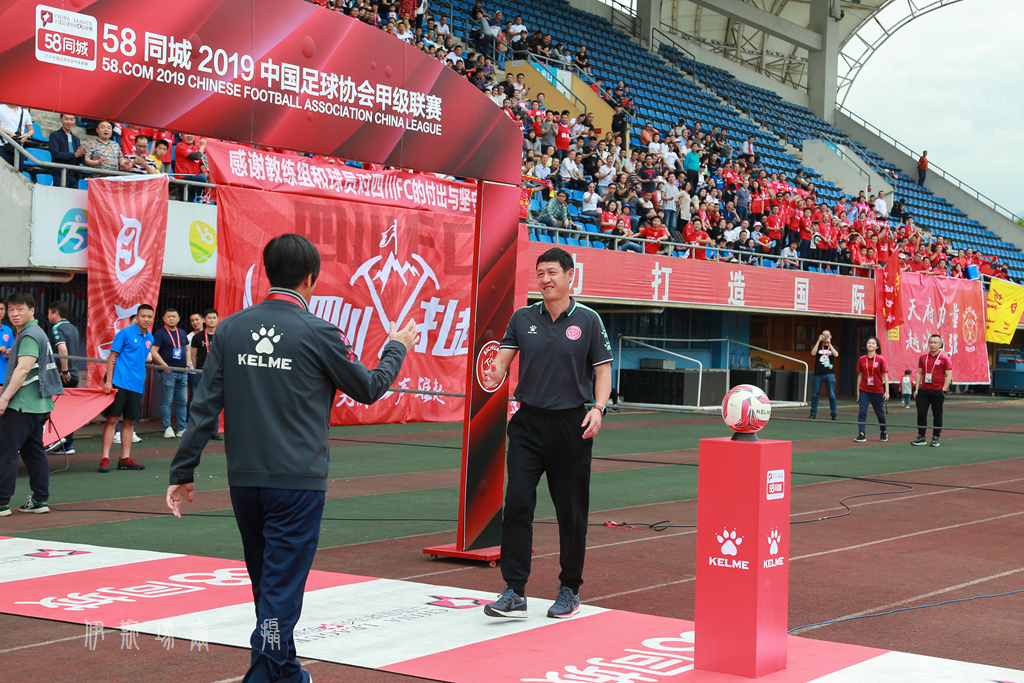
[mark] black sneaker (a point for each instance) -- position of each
(812, 416)
(861, 438)
(217, 437)
(835, 417)
(935, 442)
(5, 511)
(508, 605)
(566, 605)
(883, 437)
(919, 441)
(35, 506)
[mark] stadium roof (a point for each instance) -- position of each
(864, 26)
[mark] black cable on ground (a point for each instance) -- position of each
(904, 609)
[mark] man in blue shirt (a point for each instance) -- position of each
(6, 341)
(126, 372)
(172, 344)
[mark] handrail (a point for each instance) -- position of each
(838, 145)
(755, 259)
(540, 62)
(931, 166)
(20, 152)
(636, 29)
(638, 342)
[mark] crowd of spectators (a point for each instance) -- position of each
(696, 192)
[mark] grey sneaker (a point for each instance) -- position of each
(509, 605)
(566, 605)
(919, 441)
(5, 511)
(935, 442)
(883, 437)
(34, 506)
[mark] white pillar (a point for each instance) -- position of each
(823, 64)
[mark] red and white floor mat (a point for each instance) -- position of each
(410, 628)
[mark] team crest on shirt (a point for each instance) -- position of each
(573, 332)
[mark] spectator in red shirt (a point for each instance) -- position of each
(922, 168)
(189, 161)
(934, 373)
(655, 231)
(872, 388)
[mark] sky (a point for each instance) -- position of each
(952, 82)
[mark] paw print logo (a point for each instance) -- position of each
(265, 340)
(774, 538)
(729, 542)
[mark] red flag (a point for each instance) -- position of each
(73, 410)
(889, 298)
(127, 234)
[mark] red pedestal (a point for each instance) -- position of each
(741, 610)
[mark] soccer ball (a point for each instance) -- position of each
(746, 409)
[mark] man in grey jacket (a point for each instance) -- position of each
(275, 371)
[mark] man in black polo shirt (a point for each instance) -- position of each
(564, 364)
(201, 349)
(64, 340)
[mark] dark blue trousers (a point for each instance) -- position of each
(280, 531)
(870, 400)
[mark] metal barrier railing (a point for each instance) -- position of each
(946, 175)
(591, 238)
(35, 166)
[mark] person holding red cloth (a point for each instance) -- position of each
(934, 373)
(872, 388)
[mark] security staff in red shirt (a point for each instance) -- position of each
(934, 373)
(565, 379)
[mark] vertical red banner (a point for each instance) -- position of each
(127, 235)
(954, 310)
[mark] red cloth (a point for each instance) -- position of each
(871, 371)
(75, 409)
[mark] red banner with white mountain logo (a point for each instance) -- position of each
(380, 264)
(952, 309)
(127, 235)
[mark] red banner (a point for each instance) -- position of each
(127, 235)
(327, 177)
(282, 73)
(951, 308)
(625, 276)
(379, 264)
(889, 294)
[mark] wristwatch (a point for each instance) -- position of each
(603, 409)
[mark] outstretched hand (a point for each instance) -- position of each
(174, 495)
(409, 335)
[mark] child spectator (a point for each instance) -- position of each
(906, 388)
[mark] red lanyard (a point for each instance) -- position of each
(207, 335)
(176, 339)
(934, 363)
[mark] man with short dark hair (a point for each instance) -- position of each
(171, 343)
(30, 384)
(825, 355)
(64, 339)
(275, 372)
(139, 162)
(200, 349)
(564, 365)
(126, 372)
(934, 373)
(66, 148)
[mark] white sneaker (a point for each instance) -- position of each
(117, 437)
(136, 438)
(180, 433)
(168, 433)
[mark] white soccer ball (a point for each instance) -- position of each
(746, 409)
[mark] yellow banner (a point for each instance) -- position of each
(1003, 310)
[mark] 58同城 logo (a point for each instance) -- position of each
(66, 38)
